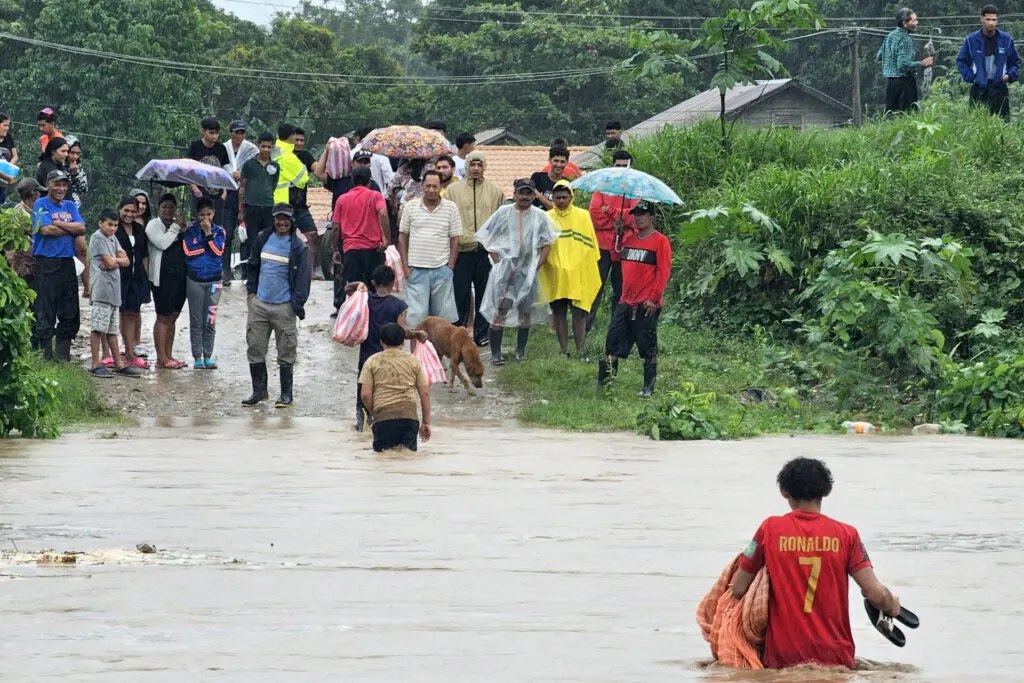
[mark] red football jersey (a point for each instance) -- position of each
(809, 558)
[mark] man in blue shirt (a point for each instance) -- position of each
(56, 223)
(278, 285)
(989, 61)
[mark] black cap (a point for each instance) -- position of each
(362, 155)
(283, 209)
(642, 206)
(237, 125)
(524, 183)
(56, 174)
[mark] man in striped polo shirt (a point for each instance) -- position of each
(429, 243)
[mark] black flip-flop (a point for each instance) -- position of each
(883, 623)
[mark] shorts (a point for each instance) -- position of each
(429, 291)
(169, 297)
(105, 318)
(134, 293)
(562, 306)
(389, 434)
(631, 326)
(304, 221)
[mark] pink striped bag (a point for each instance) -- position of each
(353, 324)
(431, 363)
(393, 260)
(339, 158)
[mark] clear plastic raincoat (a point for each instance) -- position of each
(517, 237)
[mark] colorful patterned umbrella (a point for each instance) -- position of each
(627, 182)
(406, 142)
(175, 172)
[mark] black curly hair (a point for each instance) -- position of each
(805, 479)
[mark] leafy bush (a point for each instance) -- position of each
(687, 415)
(987, 396)
(26, 397)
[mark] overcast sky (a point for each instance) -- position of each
(256, 10)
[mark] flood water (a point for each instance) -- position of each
(290, 552)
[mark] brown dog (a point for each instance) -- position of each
(457, 345)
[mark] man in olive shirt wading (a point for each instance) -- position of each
(899, 63)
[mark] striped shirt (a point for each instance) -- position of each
(430, 232)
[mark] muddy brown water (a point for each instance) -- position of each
(288, 551)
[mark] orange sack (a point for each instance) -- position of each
(735, 628)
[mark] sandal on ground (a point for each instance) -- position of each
(107, 362)
(139, 363)
(128, 371)
(101, 371)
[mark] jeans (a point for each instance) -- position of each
(429, 291)
(202, 316)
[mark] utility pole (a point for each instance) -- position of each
(858, 109)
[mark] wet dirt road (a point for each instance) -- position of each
(290, 552)
(325, 375)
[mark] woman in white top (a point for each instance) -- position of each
(167, 274)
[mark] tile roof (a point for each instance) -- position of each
(505, 163)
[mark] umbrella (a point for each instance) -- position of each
(627, 182)
(406, 142)
(176, 172)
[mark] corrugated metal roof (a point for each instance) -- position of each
(708, 105)
(491, 135)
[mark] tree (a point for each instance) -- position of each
(739, 45)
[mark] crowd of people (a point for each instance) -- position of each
(467, 253)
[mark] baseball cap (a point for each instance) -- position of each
(642, 206)
(283, 209)
(237, 125)
(523, 184)
(362, 155)
(56, 174)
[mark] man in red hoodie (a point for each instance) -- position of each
(610, 213)
(646, 265)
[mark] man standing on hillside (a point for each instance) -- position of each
(477, 199)
(989, 61)
(612, 220)
(209, 150)
(465, 143)
(899, 66)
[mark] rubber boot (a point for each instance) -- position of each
(603, 373)
(615, 367)
(285, 401)
(45, 346)
(360, 413)
(258, 372)
(62, 350)
(650, 375)
(495, 335)
(522, 337)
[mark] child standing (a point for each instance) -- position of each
(646, 266)
(384, 308)
(203, 244)
(390, 381)
(105, 262)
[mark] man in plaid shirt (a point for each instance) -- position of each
(899, 63)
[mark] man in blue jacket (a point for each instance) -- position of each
(278, 286)
(989, 61)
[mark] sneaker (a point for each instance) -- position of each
(211, 364)
(497, 360)
(520, 354)
(141, 351)
(128, 371)
(200, 364)
(101, 371)
(483, 342)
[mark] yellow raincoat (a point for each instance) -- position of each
(571, 269)
(292, 174)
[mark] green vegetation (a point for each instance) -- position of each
(855, 274)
